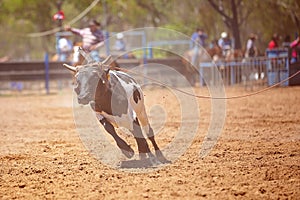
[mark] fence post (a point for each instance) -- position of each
(46, 62)
(107, 43)
(145, 48)
(150, 52)
(232, 73)
(57, 38)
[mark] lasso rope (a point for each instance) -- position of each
(86, 56)
(78, 17)
(209, 97)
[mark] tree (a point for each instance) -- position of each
(292, 8)
(232, 18)
(241, 17)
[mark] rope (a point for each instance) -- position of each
(209, 97)
(74, 20)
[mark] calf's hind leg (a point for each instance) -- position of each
(140, 140)
(142, 116)
(158, 152)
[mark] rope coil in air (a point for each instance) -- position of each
(74, 20)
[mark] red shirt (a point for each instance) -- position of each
(272, 44)
(294, 44)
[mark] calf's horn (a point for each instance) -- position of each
(69, 67)
(106, 60)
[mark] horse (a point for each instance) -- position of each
(193, 57)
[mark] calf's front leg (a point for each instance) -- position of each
(125, 148)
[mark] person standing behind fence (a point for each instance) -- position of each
(274, 43)
(65, 48)
(92, 38)
(199, 37)
(286, 42)
(225, 44)
(194, 37)
(120, 46)
(120, 43)
(251, 50)
(294, 45)
(202, 36)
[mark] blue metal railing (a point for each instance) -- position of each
(275, 66)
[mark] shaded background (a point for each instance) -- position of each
(18, 19)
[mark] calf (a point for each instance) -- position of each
(118, 101)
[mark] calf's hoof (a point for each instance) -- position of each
(159, 155)
(127, 151)
(149, 159)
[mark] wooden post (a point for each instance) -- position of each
(46, 62)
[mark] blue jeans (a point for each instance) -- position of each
(63, 57)
(293, 60)
(95, 56)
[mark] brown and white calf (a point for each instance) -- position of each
(118, 101)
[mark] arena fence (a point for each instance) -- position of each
(259, 71)
(41, 75)
(32, 75)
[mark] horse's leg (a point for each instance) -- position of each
(125, 148)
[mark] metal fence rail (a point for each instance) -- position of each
(250, 72)
(259, 71)
(21, 71)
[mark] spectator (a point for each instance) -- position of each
(294, 45)
(194, 37)
(202, 37)
(287, 41)
(224, 43)
(274, 41)
(120, 43)
(65, 47)
(199, 36)
(251, 50)
(77, 58)
(92, 38)
(120, 46)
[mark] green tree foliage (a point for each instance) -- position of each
(18, 18)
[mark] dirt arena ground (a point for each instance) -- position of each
(257, 155)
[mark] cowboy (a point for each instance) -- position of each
(92, 38)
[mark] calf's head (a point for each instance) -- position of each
(87, 78)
